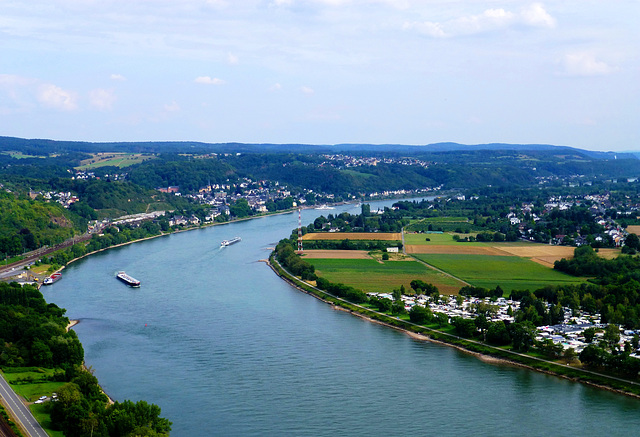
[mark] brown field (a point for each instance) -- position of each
(352, 236)
(634, 229)
(609, 253)
(336, 254)
(540, 253)
(542, 250)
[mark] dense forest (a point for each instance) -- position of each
(27, 224)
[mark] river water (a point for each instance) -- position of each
(226, 348)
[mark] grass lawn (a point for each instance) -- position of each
(31, 391)
(41, 269)
(41, 413)
(510, 272)
(372, 276)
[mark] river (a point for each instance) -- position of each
(226, 348)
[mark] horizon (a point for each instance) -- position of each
(323, 72)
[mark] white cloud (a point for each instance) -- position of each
(281, 3)
(217, 3)
(12, 80)
(102, 99)
(535, 15)
(206, 80)
(55, 97)
(585, 64)
(275, 87)
(488, 21)
(307, 90)
(117, 77)
(172, 107)
(232, 59)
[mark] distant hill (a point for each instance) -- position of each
(47, 147)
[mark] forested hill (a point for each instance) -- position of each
(48, 147)
(343, 169)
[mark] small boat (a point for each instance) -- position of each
(130, 281)
(51, 279)
(323, 207)
(230, 242)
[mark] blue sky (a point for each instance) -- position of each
(322, 71)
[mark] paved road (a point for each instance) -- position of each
(19, 411)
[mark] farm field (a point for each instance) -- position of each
(369, 236)
(370, 275)
(119, 160)
(634, 229)
(436, 238)
(489, 271)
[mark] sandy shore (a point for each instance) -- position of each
(72, 323)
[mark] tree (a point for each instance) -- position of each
(482, 324)
(397, 294)
(612, 336)
(240, 208)
(632, 241)
(589, 334)
(498, 334)
(420, 315)
(464, 327)
(570, 355)
(523, 335)
(397, 308)
(593, 355)
(442, 319)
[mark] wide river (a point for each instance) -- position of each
(226, 348)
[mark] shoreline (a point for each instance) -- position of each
(486, 358)
(166, 234)
(110, 401)
(72, 323)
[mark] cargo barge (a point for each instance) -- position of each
(51, 279)
(132, 282)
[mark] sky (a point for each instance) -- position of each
(415, 72)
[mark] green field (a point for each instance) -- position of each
(510, 272)
(31, 383)
(20, 155)
(446, 238)
(115, 160)
(373, 276)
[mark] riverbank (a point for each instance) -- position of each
(484, 352)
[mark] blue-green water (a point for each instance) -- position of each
(226, 348)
